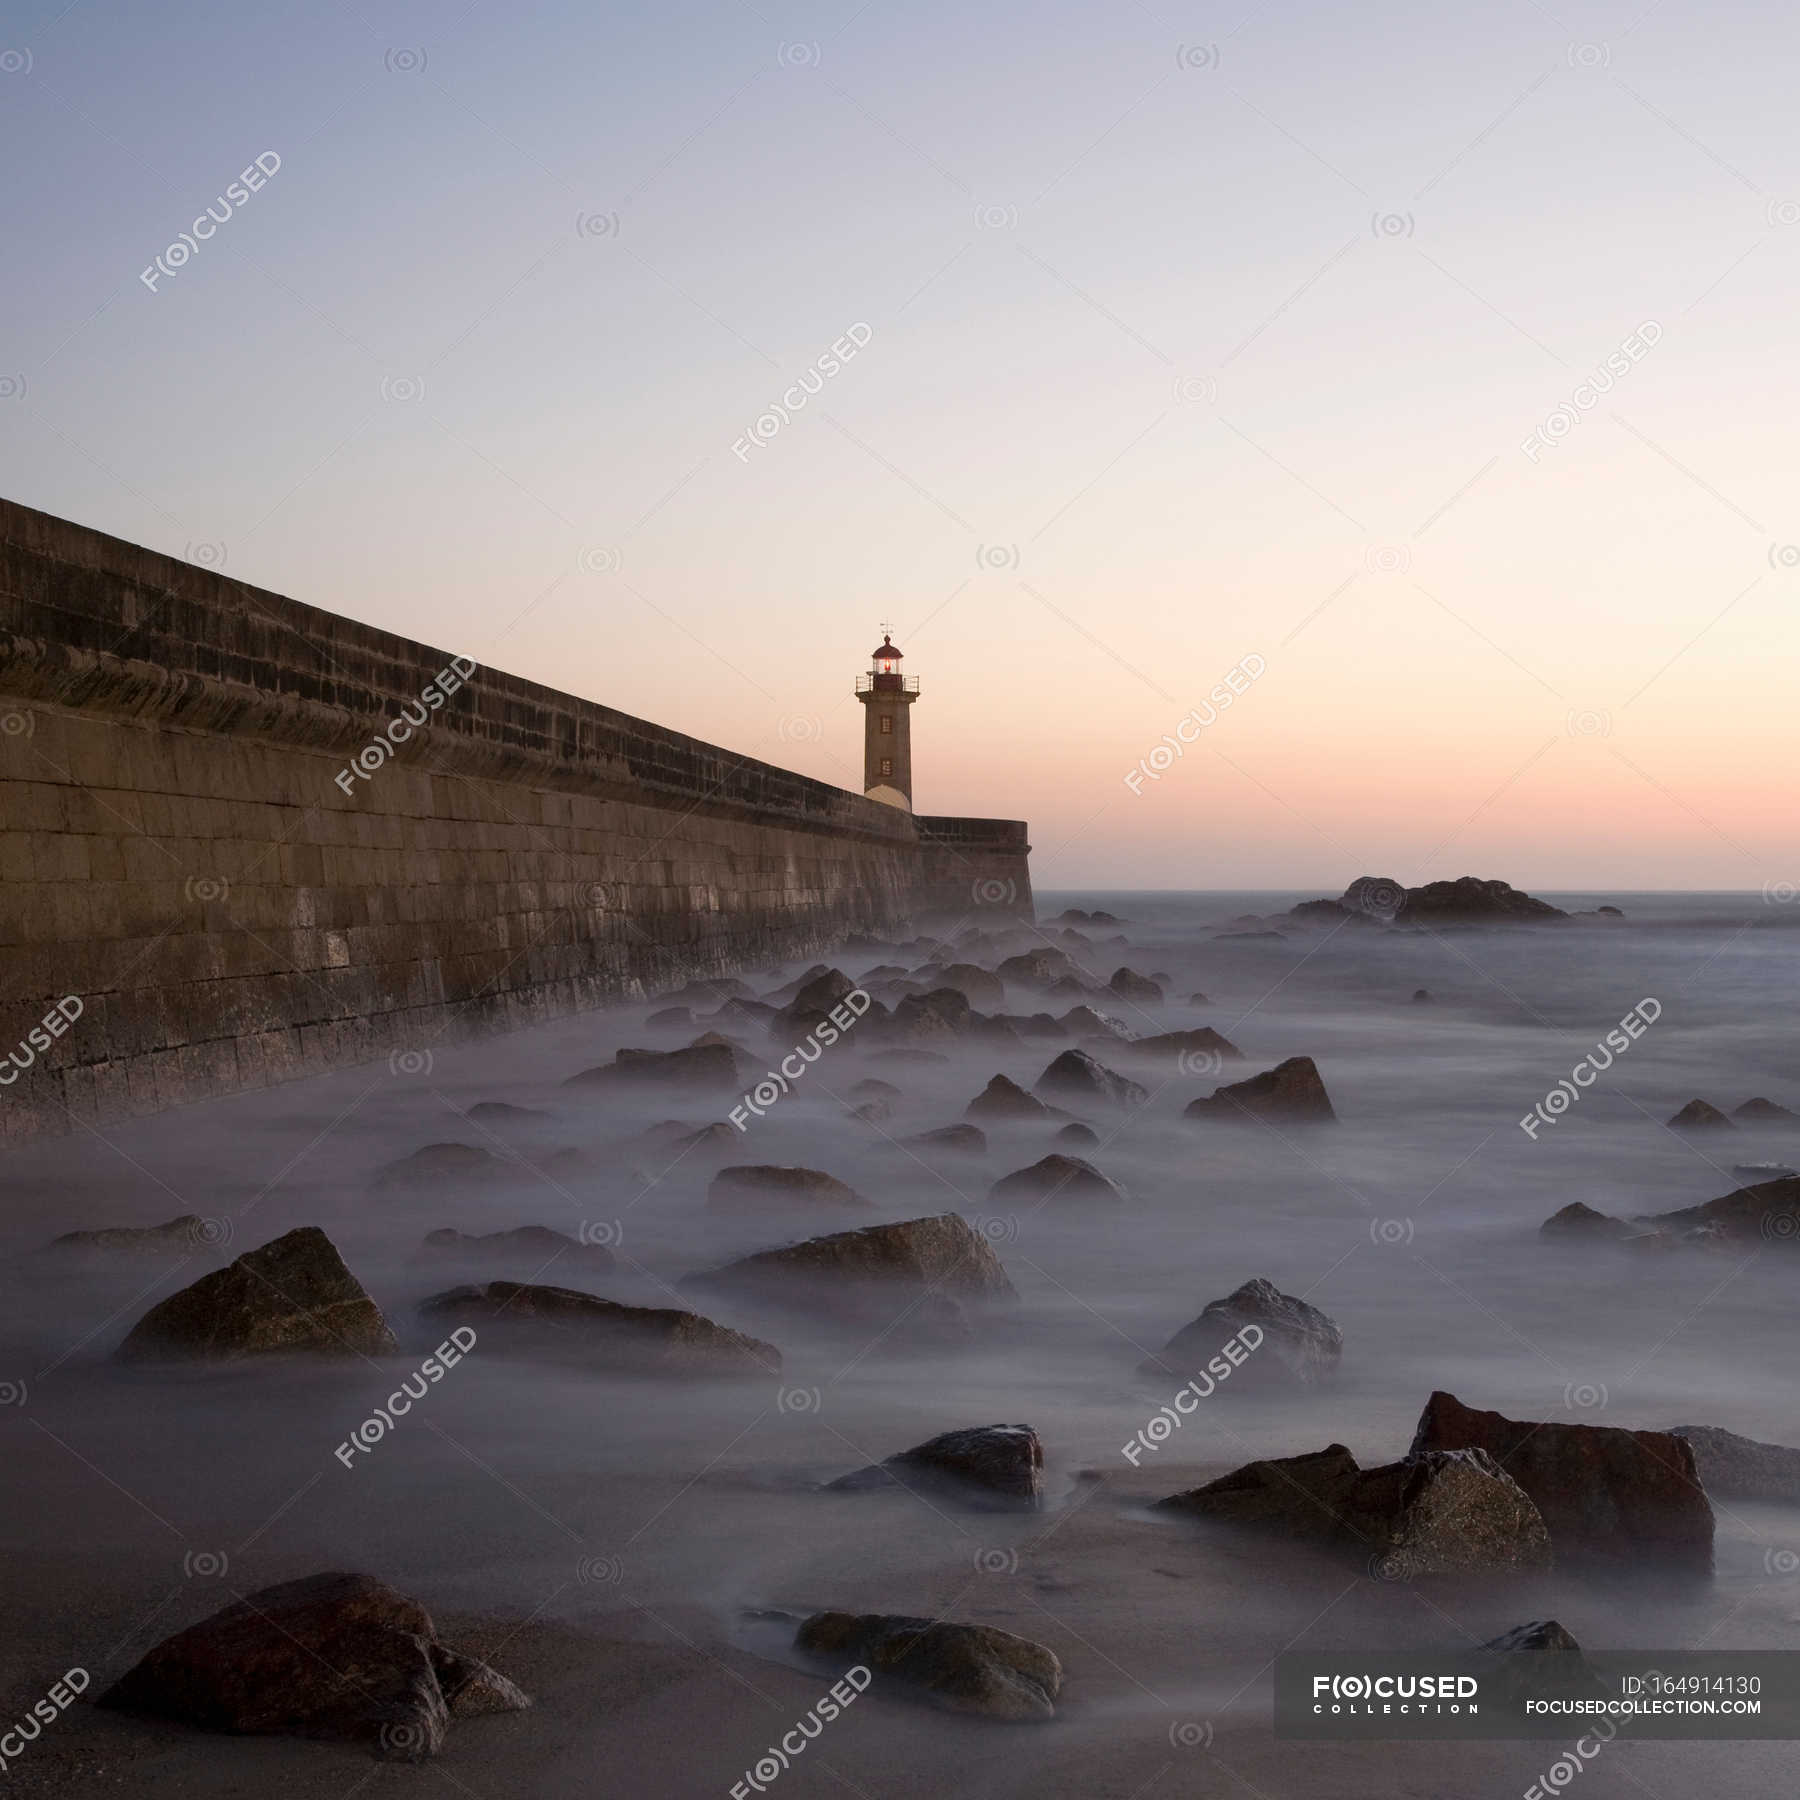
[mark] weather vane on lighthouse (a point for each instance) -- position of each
(887, 697)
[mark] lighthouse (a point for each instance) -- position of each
(887, 698)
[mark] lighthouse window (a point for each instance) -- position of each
(887, 724)
(887, 765)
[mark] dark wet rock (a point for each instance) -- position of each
(671, 1017)
(1764, 1112)
(965, 1668)
(329, 1656)
(175, 1237)
(910, 1256)
(584, 1328)
(537, 1244)
(1539, 1635)
(1141, 990)
(1002, 1460)
(935, 1017)
(1075, 916)
(292, 1294)
(1609, 1496)
(441, 1165)
(1699, 1115)
(1190, 1051)
(822, 992)
(1578, 1220)
(1435, 1513)
(1079, 1079)
(976, 985)
(1297, 1345)
(1084, 1021)
(1291, 1093)
(503, 1112)
(702, 1069)
(1038, 968)
(1054, 1178)
(1766, 1212)
(1005, 1099)
(751, 1187)
(1421, 996)
(1741, 1468)
(967, 1140)
(1078, 1133)
(1540, 1660)
(1468, 900)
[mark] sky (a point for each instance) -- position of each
(1436, 363)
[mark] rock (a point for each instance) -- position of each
(750, 1186)
(1609, 1496)
(1190, 1051)
(873, 1112)
(440, 1165)
(1436, 1513)
(1470, 901)
(1764, 1112)
(822, 992)
(1540, 1660)
(329, 1656)
(1077, 1133)
(660, 1340)
(1291, 1093)
(1577, 1220)
(871, 1089)
(1198, 999)
(1004, 1099)
(1006, 1461)
(910, 1256)
(1128, 984)
(744, 1014)
(1079, 1078)
(1225, 937)
(1054, 1177)
(931, 1018)
(1298, 1346)
(1083, 1021)
(967, 1140)
(964, 1668)
(711, 990)
(1741, 1468)
(176, 1237)
(1766, 1212)
(1038, 968)
(976, 985)
(1698, 1115)
(294, 1293)
(1539, 1635)
(699, 1069)
(501, 1112)
(1760, 1172)
(538, 1243)
(1072, 987)
(1421, 996)
(1032, 1025)
(1609, 912)
(674, 1139)
(677, 1017)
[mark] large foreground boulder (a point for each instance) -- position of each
(1055, 1178)
(941, 1255)
(964, 1668)
(996, 1461)
(1741, 1468)
(753, 1187)
(294, 1293)
(1435, 1513)
(1295, 1345)
(1082, 1080)
(1291, 1093)
(1610, 1497)
(329, 1656)
(657, 1340)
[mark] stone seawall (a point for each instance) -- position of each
(187, 850)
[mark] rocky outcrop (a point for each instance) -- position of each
(943, 1254)
(1766, 1212)
(1003, 1099)
(523, 1243)
(697, 1069)
(1084, 1022)
(1700, 1115)
(1140, 990)
(1741, 1468)
(329, 1656)
(176, 1237)
(751, 1187)
(292, 1294)
(1296, 1345)
(1610, 1497)
(1435, 1513)
(1055, 1178)
(1764, 1112)
(661, 1340)
(964, 1668)
(1291, 1093)
(1004, 1462)
(1081, 1080)
(1465, 901)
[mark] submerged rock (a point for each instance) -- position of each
(294, 1293)
(1579, 1220)
(1700, 1115)
(1077, 1133)
(1764, 1112)
(1291, 1093)
(964, 1668)
(503, 1112)
(1766, 1212)
(966, 1140)
(438, 1165)
(1005, 1099)
(329, 1656)
(699, 1068)
(535, 1243)
(1078, 1078)
(1297, 1346)
(649, 1339)
(1609, 1496)
(1002, 1460)
(1191, 1051)
(747, 1186)
(1055, 1177)
(175, 1237)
